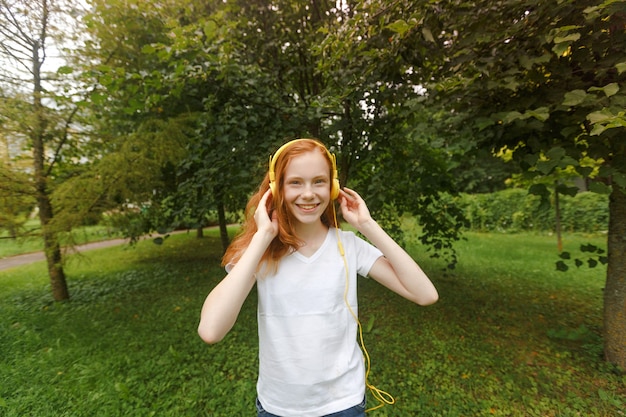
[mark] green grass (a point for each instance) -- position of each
(510, 336)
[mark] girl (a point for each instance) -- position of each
(305, 269)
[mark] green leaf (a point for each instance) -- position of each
(560, 48)
(600, 116)
(546, 167)
(98, 98)
(539, 189)
(597, 130)
(148, 49)
(606, 171)
(399, 26)
(65, 70)
(568, 161)
(528, 62)
(483, 122)
(541, 113)
(621, 67)
(565, 190)
(619, 179)
(572, 37)
(599, 187)
(584, 171)
(574, 98)
(609, 89)
(209, 29)
(512, 116)
(556, 153)
(428, 35)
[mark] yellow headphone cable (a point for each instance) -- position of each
(383, 397)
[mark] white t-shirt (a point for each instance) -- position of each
(310, 363)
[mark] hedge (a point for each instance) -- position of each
(514, 210)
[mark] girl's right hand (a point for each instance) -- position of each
(262, 218)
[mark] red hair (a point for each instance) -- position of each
(286, 240)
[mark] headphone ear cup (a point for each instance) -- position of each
(273, 188)
(334, 190)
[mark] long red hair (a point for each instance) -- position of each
(286, 240)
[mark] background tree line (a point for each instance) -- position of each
(164, 111)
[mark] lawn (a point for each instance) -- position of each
(510, 336)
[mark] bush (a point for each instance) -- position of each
(514, 210)
(587, 212)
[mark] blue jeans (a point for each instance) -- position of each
(356, 411)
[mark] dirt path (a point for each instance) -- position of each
(27, 258)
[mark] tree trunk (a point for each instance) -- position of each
(615, 288)
(52, 248)
(56, 273)
(557, 210)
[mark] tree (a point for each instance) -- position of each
(182, 66)
(30, 32)
(544, 80)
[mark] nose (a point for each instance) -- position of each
(307, 192)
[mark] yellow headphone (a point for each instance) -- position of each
(334, 186)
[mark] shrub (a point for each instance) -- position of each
(514, 210)
(587, 212)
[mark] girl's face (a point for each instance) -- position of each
(306, 187)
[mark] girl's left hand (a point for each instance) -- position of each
(353, 208)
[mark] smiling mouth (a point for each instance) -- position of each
(308, 206)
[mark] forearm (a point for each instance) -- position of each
(224, 302)
(415, 284)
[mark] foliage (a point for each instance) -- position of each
(16, 200)
(511, 338)
(515, 210)
(133, 178)
(189, 65)
(542, 80)
(253, 75)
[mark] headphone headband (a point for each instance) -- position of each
(334, 188)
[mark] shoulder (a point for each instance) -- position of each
(345, 234)
(348, 236)
(356, 244)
